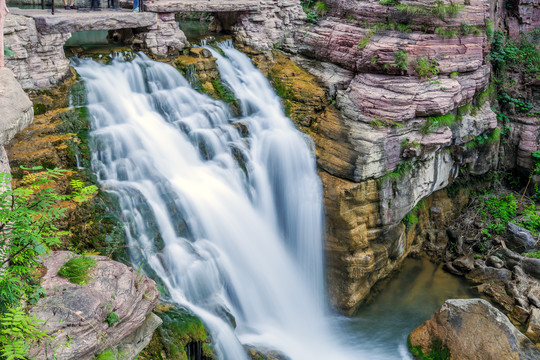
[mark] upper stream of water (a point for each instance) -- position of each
(227, 213)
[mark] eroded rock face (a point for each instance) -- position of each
(16, 107)
(39, 60)
(472, 329)
(274, 23)
(76, 315)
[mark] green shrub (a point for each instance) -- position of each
(426, 67)
(321, 7)
(401, 60)
(532, 219)
(498, 211)
(112, 318)
(77, 269)
(410, 220)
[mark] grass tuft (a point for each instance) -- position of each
(76, 269)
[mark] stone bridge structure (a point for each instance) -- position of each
(37, 37)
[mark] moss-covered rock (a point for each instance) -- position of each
(182, 336)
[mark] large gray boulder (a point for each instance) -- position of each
(472, 329)
(76, 315)
(521, 239)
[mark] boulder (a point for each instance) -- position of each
(16, 107)
(521, 239)
(471, 329)
(533, 327)
(76, 315)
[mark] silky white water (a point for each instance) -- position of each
(226, 211)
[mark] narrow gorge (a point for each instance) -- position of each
(283, 179)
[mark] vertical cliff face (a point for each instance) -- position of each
(407, 109)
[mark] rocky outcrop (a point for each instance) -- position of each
(15, 106)
(76, 315)
(378, 161)
(471, 329)
(273, 24)
(164, 37)
(39, 60)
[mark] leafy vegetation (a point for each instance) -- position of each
(426, 67)
(484, 139)
(314, 9)
(516, 63)
(402, 168)
(435, 122)
(19, 331)
(112, 318)
(441, 10)
(401, 60)
(445, 33)
(27, 230)
(378, 123)
(77, 269)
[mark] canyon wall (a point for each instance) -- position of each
(404, 107)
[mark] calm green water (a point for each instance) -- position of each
(406, 302)
(194, 30)
(88, 38)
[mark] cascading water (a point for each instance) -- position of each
(226, 211)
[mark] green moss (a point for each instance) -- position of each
(40, 109)
(446, 33)
(180, 330)
(224, 93)
(77, 269)
(437, 351)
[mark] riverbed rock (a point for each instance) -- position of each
(472, 329)
(76, 315)
(521, 239)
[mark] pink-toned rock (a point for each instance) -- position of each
(76, 315)
(399, 98)
(338, 42)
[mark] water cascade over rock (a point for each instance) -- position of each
(226, 211)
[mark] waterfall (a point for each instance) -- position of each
(226, 211)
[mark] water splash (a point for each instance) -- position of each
(226, 211)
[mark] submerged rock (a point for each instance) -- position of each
(470, 329)
(113, 309)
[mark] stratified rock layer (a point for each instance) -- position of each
(472, 329)
(76, 315)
